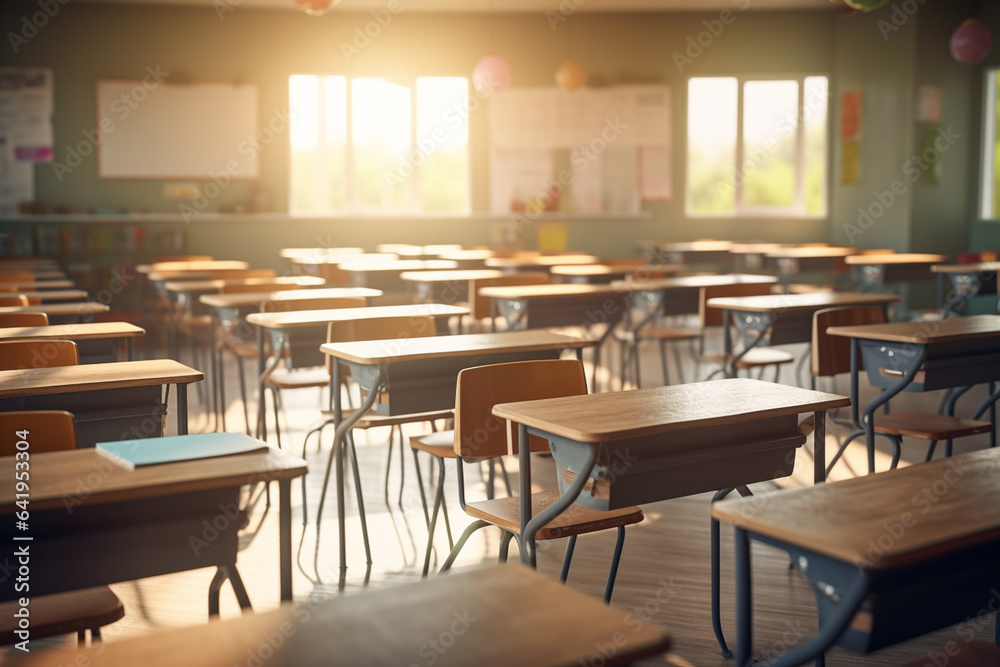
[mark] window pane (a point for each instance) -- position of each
(335, 142)
(712, 111)
(769, 137)
(380, 116)
(814, 110)
(994, 168)
(443, 143)
(303, 106)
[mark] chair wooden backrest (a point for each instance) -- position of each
(479, 306)
(712, 317)
(13, 300)
(478, 432)
(379, 328)
(48, 431)
(23, 320)
(17, 277)
(15, 354)
(288, 305)
(831, 355)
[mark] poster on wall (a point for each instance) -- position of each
(25, 132)
(850, 137)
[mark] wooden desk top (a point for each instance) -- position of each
(692, 282)
(507, 614)
(921, 333)
(463, 345)
(895, 258)
(586, 270)
(307, 318)
(618, 415)
(56, 475)
(398, 265)
(349, 257)
(39, 274)
(253, 298)
(704, 245)
(411, 250)
(55, 294)
(811, 252)
(78, 308)
(82, 331)
(193, 286)
(841, 519)
(210, 274)
(90, 377)
(547, 291)
(198, 265)
(467, 254)
(36, 285)
(293, 253)
(455, 275)
(978, 267)
(541, 260)
(755, 248)
(807, 301)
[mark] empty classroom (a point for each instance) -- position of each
(500, 332)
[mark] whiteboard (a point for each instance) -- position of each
(202, 130)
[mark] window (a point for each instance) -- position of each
(369, 145)
(757, 146)
(990, 204)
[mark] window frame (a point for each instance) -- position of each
(797, 209)
(988, 148)
(349, 189)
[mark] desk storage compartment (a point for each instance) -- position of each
(98, 350)
(680, 463)
(954, 364)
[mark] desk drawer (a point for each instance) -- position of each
(956, 365)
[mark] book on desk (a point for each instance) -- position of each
(131, 454)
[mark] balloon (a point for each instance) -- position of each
(970, 42)
(865, 5)
(571, 75)
(491, 74)
(317, 7)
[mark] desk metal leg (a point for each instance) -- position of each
(215, 359)
(182, 409)
(261, 416)
(727, 345)
(716, 578)
(285, 537)
(819, 447)
(744, 601)
(524, 472)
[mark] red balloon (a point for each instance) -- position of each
(970, 42)
(317, 7)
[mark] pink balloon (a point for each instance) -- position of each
(971, 41)
(491, 74)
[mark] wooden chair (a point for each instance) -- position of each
(14, 300)
(304, 366)
(831, 355)
(480, 307)
(61, 613)
(23, 320)
(15, 354)
(479, 435)
(378, 328)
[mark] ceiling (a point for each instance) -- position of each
(498, 6)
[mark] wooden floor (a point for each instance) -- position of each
(664, 576)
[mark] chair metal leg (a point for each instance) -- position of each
(275, 401)
(897, 449)
(677, 364)
(420, 486)
(663, 362)
(238, 588)
(388, 463)
(505, 538)
(473, 527)
(243, 391)
(716, 580)
(930, 450)
(567, 558)
(616, 560)
(635, 363)
(402, 466)
(438, 501)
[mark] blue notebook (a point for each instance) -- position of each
(152, 451)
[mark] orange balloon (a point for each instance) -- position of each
(571, 75)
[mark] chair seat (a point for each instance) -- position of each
(973, 654)
(299, 379)
(577, 520)
(372, 420)
(439, 443)
(928, 426)
(241, 348)
(669, 333)
(63, 613)
(758, 356)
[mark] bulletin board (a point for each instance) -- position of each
(164, 131)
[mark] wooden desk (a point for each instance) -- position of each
(706, 253)
(536, 262)
(130, 524)
(108, 401)
(916, 564)
(55, 295)
(617, 449)
(45, 284)
(923, 356)
(445, 286)
(875, 270)
(502, 615)
(790, 262)
(598, 274)
(193, 266)
(782, 319)
(96, 341)
(420, 375)
(296, 336)
(967, 281)
(470, 258)
(296, 253)
(681, 295)
(750, 256)
(386, 275)
(62, 313)
(39, 273)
